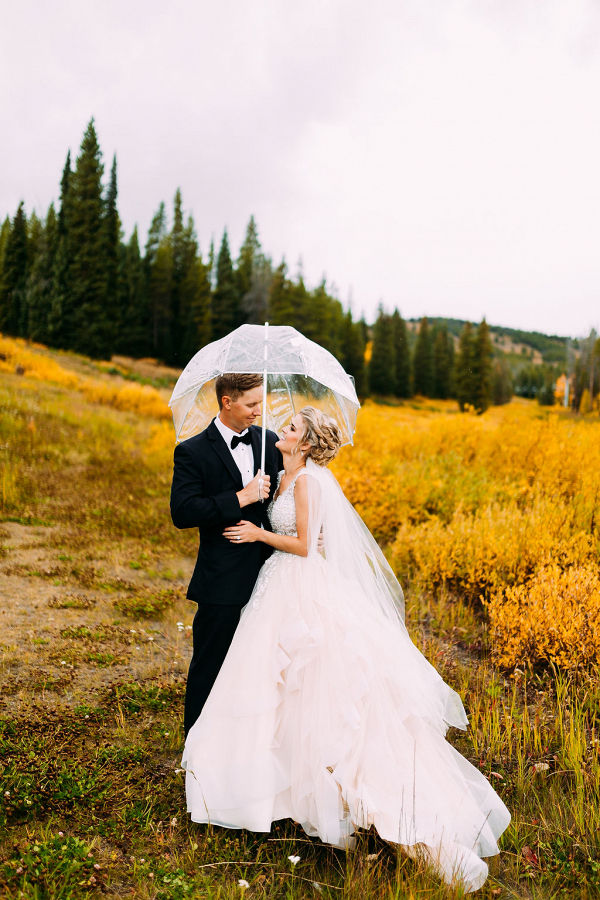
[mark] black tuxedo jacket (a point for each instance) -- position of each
(203, 496)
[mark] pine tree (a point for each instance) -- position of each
(134, 338)
(382, 368)
(465, 370)
(40, 281)
(60, 316)
(423, 361)
(443, 364)
(225, 304)
(157, 274)
(112, 253)
(401, 355)
(502, 387)
(249, 253)
(184, 254)
(281, 300)
(483, 368)
(14, 275)
(93, 327)
(353, 353)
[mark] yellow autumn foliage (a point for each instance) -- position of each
(31, 361)
(477, 507)
(553, 618)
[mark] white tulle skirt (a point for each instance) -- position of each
(333, 718)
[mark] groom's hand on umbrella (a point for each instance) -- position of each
(257, 489)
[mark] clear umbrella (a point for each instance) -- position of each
(296, 371)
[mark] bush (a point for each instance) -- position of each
(553, 618)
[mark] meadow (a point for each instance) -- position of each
(491, 524)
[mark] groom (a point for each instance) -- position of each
(215, 484)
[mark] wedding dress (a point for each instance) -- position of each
(325, 712)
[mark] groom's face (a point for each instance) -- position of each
(241, 413)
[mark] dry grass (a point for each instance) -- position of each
(95, 642)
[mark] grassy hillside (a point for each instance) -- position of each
(95, 640)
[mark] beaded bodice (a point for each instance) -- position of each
(282, 511)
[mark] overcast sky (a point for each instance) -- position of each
(442, 156)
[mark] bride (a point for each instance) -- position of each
(324, 711)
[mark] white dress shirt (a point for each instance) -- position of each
(242, 455)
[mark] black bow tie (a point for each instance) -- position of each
(241, 439)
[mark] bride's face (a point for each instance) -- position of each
(290, 435)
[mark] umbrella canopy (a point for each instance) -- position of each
(299, 373)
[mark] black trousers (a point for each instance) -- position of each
(213, 630)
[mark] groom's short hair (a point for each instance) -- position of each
(234, 384)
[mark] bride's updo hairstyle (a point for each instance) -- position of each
(323, 435)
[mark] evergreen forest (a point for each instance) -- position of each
(71, 280)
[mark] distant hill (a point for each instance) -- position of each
(531, 346)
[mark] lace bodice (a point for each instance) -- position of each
(282, 516)
(282, 511)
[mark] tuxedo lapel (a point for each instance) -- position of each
(222, 450)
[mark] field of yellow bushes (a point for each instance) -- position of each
(499, 510)
(491, 525)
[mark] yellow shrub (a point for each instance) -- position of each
(35, 365)
(475, 554)
(141, 399)
(555, 617)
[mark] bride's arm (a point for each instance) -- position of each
(247, 532)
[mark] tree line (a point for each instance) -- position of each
(72, 281)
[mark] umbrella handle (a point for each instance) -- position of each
(264, 408)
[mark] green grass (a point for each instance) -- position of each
(92, 683)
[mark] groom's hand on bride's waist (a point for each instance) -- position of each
(257, 489)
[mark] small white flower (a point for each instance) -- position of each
(7, 793)
(142, 860)
(179, 623)
(29, 802)
(62, 662)
(150, 638)
(294, 860)
(137, 648)
(97, 866)
(166, 734)
(188, 627)
(87, 717)
(317, 887)
(60, 834)
(179, 771)
(133, 631)
(150, 874)
(371, 857)
(173, 821)
(541, 767)
(243, 883)
(20, 870)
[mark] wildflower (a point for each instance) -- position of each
(7, 793)
(173, 821)
(60, 834)
(179, 623)
(150, 638)
(317, 887)
(62, 662)
(97, 866)
(188, 627)
(294, 860)
(243, 883)
(167, 733)
(541, 767)
(20, 870)
(142, 860)
(86, 716)
(133, 631)
(150, 874)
